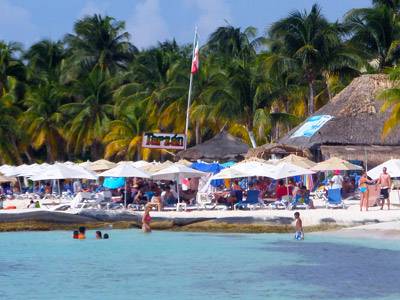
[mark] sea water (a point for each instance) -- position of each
(173, 265)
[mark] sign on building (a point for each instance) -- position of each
(311, 126)
(171, 141)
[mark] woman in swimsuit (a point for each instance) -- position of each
(364, 191)
(146, 219)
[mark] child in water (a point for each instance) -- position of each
(98, 235)
(299, 235)
(106, 236)
(75, 235)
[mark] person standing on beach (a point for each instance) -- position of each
(363, 185)
(299, 235)
(385, 182)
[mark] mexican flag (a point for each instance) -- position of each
(195, 59)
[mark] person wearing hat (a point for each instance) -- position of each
(337, 180)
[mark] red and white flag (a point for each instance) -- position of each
(195, 60)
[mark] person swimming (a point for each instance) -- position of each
(75, 234)
(82, 231)
(105, 236)
(299, 235)
(98, 235)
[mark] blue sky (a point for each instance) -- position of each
(150, 21)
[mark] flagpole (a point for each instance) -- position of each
(190, 91)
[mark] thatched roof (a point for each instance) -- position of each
(222, 147)
(357, 117)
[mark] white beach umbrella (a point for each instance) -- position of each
(15, 171)
(154, 167)
(140, 163)
(125, 169)
(177, 172)
(286, 170)
(85, 164)
(298, 161)
(31, 170)
(392, 166)
(101, 165)
(254, 168)
(59, 171)
(229, 173)
(335, 163)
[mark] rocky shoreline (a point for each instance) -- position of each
(93, 219)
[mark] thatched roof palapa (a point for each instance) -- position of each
(358, 119)
(222, 147)
(357, 123)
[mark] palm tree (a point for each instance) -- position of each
(228, 42)
(45, 59)
(99, 42)
(43, 118)
(376, 32)
(391, 98)
(303, 41)
(10, 131)
(10, 65)
(89, 114)
(124, 139)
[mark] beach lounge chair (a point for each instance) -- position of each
(335, 199)
(300, 202)
(280, 204)
(251, 202)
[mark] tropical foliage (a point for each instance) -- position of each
(93, 94)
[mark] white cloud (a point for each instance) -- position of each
(16, 24)
(147, 26)
(91, 8)
(212, 14)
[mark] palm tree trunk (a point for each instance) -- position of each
(95, 150)
(326, 76)
(28, 156)
(197, 133)
(49, 153)
(310, 98)
(138, 153)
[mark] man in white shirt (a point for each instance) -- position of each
(337, 180)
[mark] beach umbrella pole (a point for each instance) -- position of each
(177, 189)
(125, 194)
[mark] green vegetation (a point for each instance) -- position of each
(94, 94)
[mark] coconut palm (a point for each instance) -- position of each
(10, 65)
(124, 139)
(89, 114)
(303, 40)
(391, 98)
(43, 119)
(11, 133)
(376, 32)
(99, 42)
(44, 60)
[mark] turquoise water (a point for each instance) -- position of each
(168, 265)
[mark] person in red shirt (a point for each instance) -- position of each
(281, 190)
